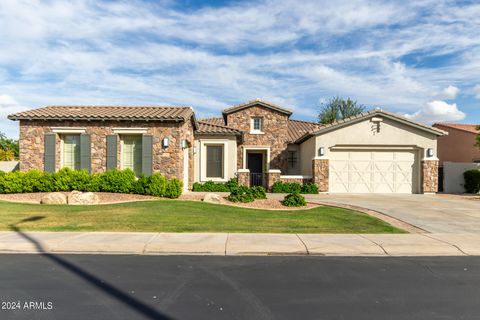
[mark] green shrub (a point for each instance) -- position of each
(211, 186)
(259, 192)
(277, 187)
(62, 179)
(472, 181)
(309, 188)
(12, 182)
(174, 188)
(119, 181)
(157, 185)
(141, 184)
(241, 194)
(294, 200)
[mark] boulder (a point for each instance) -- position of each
(54, 198)
(77, 197)
(213, 198)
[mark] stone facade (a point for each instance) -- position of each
(243, 177)
(168, 161)
(430, 176)
(272, 177)
(274, 136)
(320, 170)
(296, 180)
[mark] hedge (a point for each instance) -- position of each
(294, 187)
(472, 181)
(211, 186)
(117, 181)
(294, 200)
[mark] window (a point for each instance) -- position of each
(132, 153)
(256, 125)
(71, 152)
(215, 162)
(292, 159)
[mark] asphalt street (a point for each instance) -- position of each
(193, 287)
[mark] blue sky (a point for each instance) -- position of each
(417, 58)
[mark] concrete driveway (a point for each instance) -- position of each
(433, 213)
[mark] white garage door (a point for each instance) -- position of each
(372, 171)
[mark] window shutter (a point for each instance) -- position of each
(147, 154)
(85, 152)
(111, 152)
(49, 152)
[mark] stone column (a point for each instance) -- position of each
(429, 176)
(243, 177)
(320, 173)
(273, 176)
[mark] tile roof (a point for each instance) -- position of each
(257, 102)
(211, 128)
(472, 128)
(217, 121)
(162, 113)
(298, 128)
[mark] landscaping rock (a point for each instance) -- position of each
(212, 198)
(77, 198)
(54, 198)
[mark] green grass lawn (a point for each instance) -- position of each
(187, 216)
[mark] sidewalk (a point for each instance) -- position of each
(230, 244)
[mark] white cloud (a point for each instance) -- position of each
(8, 105)
(476, 90)
(448, 93)
(437, 111)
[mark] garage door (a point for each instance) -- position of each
(372, 171)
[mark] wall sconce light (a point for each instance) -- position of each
(194, 150)
(429, 152)
(165, 142)
(184, 144)
(321, 151)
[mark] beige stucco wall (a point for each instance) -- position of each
(307, 153)
(230, 143)
(453, 181)
(392, 134)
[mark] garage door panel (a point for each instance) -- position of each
(372, 171)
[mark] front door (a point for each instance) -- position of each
(255, 165)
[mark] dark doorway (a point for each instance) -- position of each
(255, 165)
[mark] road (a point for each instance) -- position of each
(194, 287)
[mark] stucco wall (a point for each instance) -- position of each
(275, 128)
(307, 153)
(200, 156)
(458, 146)
(453, 180)
(167, 161)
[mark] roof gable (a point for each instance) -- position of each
(257, 102)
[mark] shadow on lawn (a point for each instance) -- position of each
(99, 283)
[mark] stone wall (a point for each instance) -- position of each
(320, 170)
(168, 161)
(272, 177)
(430, 176)
(243, 177)
(275, 128)
(296, 180)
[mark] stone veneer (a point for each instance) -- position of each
(275, 128)
(320, 172)
(167, 161)
(296, 180)
(272, 177)
(430, 176)
(243, 177)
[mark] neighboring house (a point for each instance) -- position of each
(257, 142)
(459, 144)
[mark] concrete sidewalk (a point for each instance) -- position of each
(241, 244)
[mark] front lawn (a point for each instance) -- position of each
(186, 216)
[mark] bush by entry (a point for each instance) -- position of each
(117, 181)
(187, 216)
(472, 181)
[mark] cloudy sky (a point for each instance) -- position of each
(418, 58)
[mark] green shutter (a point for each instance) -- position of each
(85, 152)
(49, 152)
(111, 152)
(147, 154)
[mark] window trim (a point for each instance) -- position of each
(252, 126)
(203, 159)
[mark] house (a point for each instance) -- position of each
(256, 142)
(459, 144)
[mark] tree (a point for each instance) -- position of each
(8, 148)
(338, 109)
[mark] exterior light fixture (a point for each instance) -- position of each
(430, 152)
(184, 144)
(194, 150)
(321, 151)
(165, 142)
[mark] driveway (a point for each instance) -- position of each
(433, 213)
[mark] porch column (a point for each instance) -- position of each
(273, 176)
(320, 173)
(243, 177)
(429, 176)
